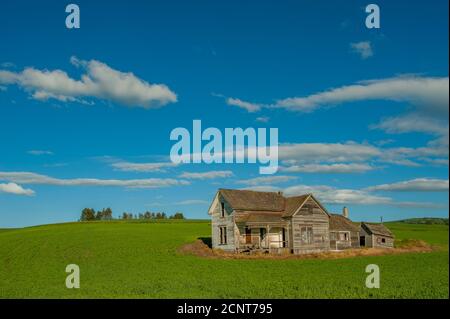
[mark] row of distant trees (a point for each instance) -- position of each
(89, 214)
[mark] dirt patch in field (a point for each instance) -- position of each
(199, 248)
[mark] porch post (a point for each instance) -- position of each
(267, 237)
(286, 236)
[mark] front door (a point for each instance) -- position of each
(248, 235)
(362, 241)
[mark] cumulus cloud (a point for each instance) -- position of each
(363, 48)
(267, 180)
(99, 81)
(142, 167)
(207, 175)
(33, 178)
(250, 107)
(338, 168)
(13, 188)
(414, 185)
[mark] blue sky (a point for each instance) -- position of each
(362, 113)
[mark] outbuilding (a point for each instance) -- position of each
(376, 235)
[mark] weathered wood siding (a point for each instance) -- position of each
(377, 241)
(354, 237)
(338, 244)
(227, 221)
(312, 215)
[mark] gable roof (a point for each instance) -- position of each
(341, 223)
(256, 202)
(292, 204)
(253, 200)
(377, 229)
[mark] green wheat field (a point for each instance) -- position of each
(141, 260)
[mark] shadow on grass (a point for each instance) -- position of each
(206, 240)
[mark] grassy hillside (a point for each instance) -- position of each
(140, 260)
(426, 220)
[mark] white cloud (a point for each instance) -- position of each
(250, 107)
(327, 152)
(180, 203)
(335, 196)
(207, 175)
(405, 155)
(192, 202)
(413, 122)
(7, 65)
(13, 188)
(99, 81)
(33, 178)
(437, 161)
(307, 157)
(328, 168)
(40, 152)
(425, 92)
(414, 185)
(263, 119)
(363, 48)
(263, 188)
(142, 167)
(332, 195)
(267, 180)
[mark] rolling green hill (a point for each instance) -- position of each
(426, 220)
(140, 260)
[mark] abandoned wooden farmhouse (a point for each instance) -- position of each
(245, 221)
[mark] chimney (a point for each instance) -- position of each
(345, 212)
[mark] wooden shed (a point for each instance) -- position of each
(376, 235)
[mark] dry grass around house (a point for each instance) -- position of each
(201, 249)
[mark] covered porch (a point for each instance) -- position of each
(266, 237)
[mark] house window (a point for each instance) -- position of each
(332, 236)
(343, 236)
(222, 209)
(307, 235)
(223, 235)
(383, 240)
(262, 233)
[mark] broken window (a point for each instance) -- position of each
(223, 235)
(307, 235)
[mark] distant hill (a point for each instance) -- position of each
(425, 220)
